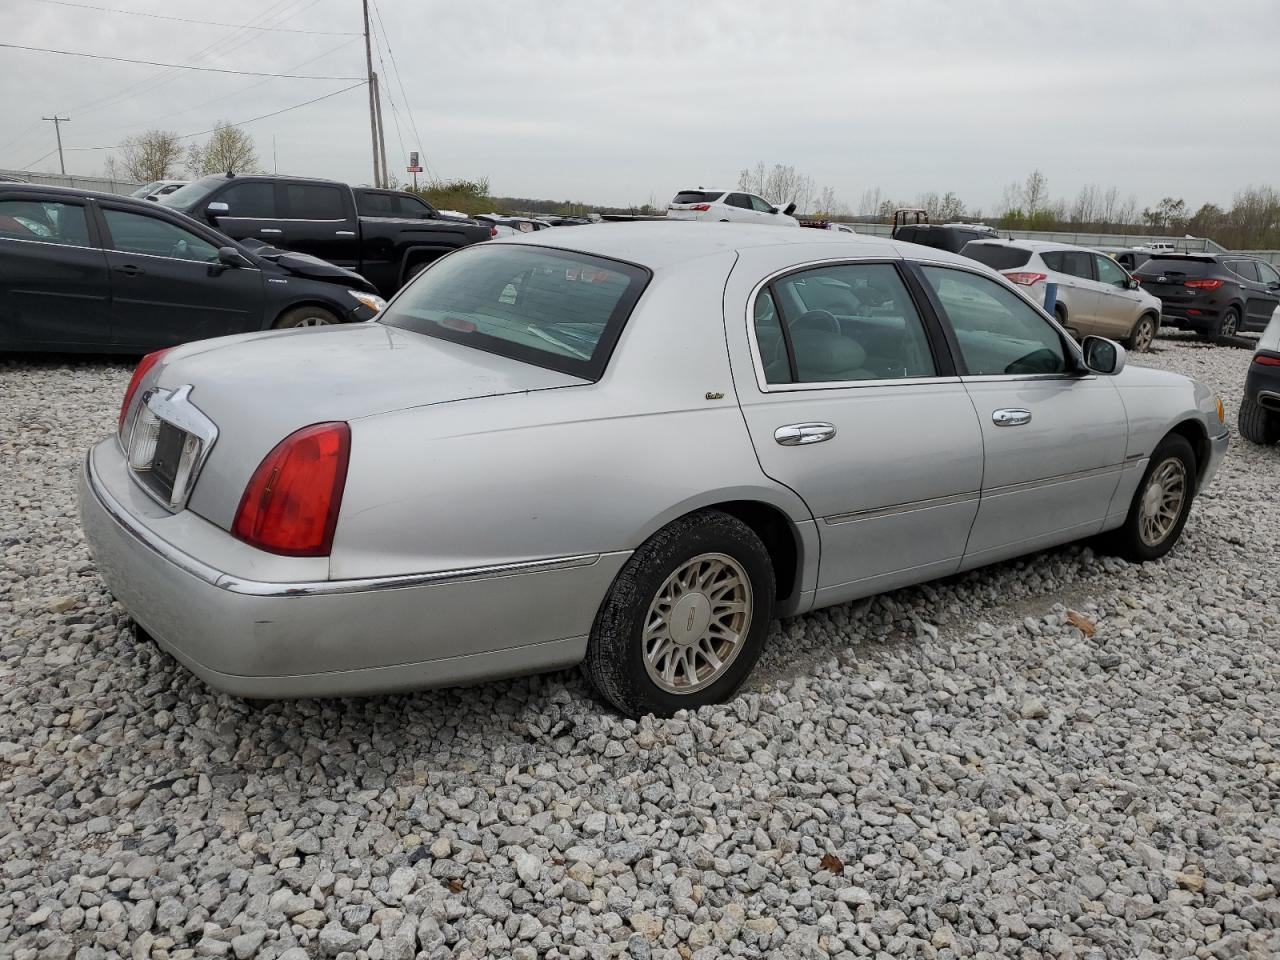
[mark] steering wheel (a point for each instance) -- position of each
(816, 320)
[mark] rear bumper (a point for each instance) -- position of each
(1262, 385)
(327, 638)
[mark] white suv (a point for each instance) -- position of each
(727, 206)
(1095, 294)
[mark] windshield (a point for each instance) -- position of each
(551, 308)
(146, 188)
(192, 193)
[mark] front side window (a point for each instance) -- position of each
(1109, 271)
(314, 201)
(254, 201)
(1267, 273)
(998, 332)
(46, 220)
(758, 204)
(137, 233)
(550, 308)
(414, 208)
(844, 323)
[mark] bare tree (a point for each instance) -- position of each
(1109, 205)
(827, 203)
(1085, 207)
(1035, 192)
(149, 156)
(1011, 200)
(869, 205)
(950, 207)
(752, 181)
(1127, 212)
(228, 150)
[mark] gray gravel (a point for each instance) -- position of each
(949, 771)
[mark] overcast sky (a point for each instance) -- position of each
(620, 101)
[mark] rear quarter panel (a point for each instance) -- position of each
(574, 470)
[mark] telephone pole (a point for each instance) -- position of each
(382, 134)
(378, 174)
(57, 129)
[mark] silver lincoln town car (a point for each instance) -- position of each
(627, 445)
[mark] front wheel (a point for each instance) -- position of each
(306, 316)
(1142, 334)
(1160, 507)
(1257, 423)
(685, 619)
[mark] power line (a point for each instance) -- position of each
(403, 93)
(210, 23)
(175, 66)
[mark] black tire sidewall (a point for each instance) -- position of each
(1131, 543)
(289, 319)
(615, 654)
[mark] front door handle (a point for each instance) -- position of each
(270, 230)
(799, 434)
(129, 270)
(344, 233)
(1010, 417)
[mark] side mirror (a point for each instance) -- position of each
(1274, 285)
(231, 257)
(1131, 284)
(791, 208)
(1103, 356)
(217, 209)
(773, 209)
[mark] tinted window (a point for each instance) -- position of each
(252, 200)
(996, 255)
(45, 220)
(1244, 268)
(413, 207)
(314, 201)
(1177, 268)
(758, 204)
(769, 340)
(738, 200)
(1267, 273)
(546, 307)
(136, 233)
(852, 322)
(375, 205)
(997, 330)
(1074, 263)
(1109, 271)
(188, 196)
(697, 196)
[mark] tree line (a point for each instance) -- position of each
(161, 155)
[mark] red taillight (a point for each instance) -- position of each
(291, 504)
(493, 232)
(1202, 284)
(701, 207)
(1266, 360)
(1025, 279)
(144, 367)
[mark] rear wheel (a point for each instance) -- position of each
(685, 620)
(306, 316)
(1142, 334)
(1160, 507)
(1258, 424)
(1227, 325)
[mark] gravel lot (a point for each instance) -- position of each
(947, 771)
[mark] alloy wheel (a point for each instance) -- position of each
(1143, 336)
(1162, 501)
(697, 623)
(1229, 324)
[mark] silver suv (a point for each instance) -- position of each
(1095, 294)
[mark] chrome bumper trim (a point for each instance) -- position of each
(261, 588)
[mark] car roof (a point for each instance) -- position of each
(659, 244)
(78, 192)
(1036, 245)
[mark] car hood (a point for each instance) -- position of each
(259, 388)
(305, 265)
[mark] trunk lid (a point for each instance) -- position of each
(258, 389)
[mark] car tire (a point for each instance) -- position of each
(1143, 334)
(1258, 424)
(1226, 327)
(656, 630)
(1155, 520)
(305, 316)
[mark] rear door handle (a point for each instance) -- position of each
(800, 434)
(344, 233)
(270, 230)
(129, 270)
(1010, 417)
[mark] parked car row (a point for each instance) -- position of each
(389, 508)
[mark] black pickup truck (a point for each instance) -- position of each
(319, 217)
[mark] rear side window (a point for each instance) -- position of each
(1074, 263)
(1244, 268)
(374, 205)
(997, 256)
(44, 220)
(314, 201)
(738, 200)
(550, 308)
(845, 323)
(1178, 267)
(697, 196)
(999, 333)
(254, 201)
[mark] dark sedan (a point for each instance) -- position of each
(84, 271)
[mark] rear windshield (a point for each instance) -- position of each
(996, 255)
(697, 196)
(550, 308)
(1175, 266)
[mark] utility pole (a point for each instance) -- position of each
(382, 133)
(56, 121)
(373, 119)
